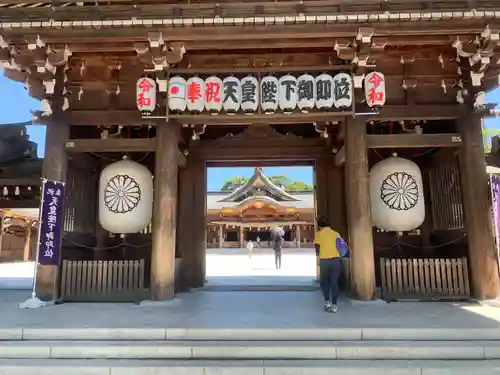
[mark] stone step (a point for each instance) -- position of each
(332, 350)
(247, 334)
(267, 367)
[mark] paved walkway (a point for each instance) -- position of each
(206, 309)
(234, 267)
(229, 309)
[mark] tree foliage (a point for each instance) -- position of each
(287, 182)
(234, 183)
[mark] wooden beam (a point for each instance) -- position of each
(276, 154)
(29, 203)
(117, 145)
(389, 112)
(413, 140)
(340, 157)
(248, 32)
(259, 163)
(420, 112)
(111, 145)
(22, 181)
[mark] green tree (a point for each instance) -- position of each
(234, 183)
(280, 180)
(298, 186)
(487, 134)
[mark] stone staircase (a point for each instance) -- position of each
(152, 351)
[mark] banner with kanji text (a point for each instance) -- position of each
(51, 219)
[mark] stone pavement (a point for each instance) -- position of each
(207, 309)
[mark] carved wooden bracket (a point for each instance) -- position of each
(158, 55)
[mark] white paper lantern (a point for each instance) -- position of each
(306, 92)
(213, 94)
(324, 91)
(125, 197)
(342, 91)
(396, 195)
(269, 94)
(287, 93)
(232, 95)
(146, 94)
(195, 94)
(249, 94)
(177, 94)
(375, 89)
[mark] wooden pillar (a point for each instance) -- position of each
(27, 242)
(198, 225)
(242, 236)
(358, 210)
(298, 235)
(55, 163)
(185, 236)
(164, 213)
(336, 198)
(321, 188)
(483, 260)
(221, 236)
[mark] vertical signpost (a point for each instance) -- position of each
(49, 233)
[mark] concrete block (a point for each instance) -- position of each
(107, 334)
(462, 368)
(156, 370)
(264, 352)
(11, 334)
(31, 352)
(409, 351)
(430, 334)
(329, 367)
(299, 334)
(50, 370)
(100, 351)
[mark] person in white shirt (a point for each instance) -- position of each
(250, 248)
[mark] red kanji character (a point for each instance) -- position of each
(145, 86)
(375, 96)
(212, 92)
(142, 101)
(193, 92)
(376, 80)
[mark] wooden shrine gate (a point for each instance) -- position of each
(174, 86)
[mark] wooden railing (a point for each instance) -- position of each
(424, 278)
(113, 280)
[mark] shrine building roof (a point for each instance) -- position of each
(260, 188)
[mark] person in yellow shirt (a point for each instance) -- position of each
(330, 263)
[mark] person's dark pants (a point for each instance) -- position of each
(277, 259)
(329, 274)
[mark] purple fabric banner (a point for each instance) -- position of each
(51, 217)
(495, 199)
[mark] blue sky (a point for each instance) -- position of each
(16, 107)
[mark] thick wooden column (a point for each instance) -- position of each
(164, 213)
(321, 188)
(336, 198)
(358, 210)
(55, 164)
(198, 225)
(185, 235)
(483, 260)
